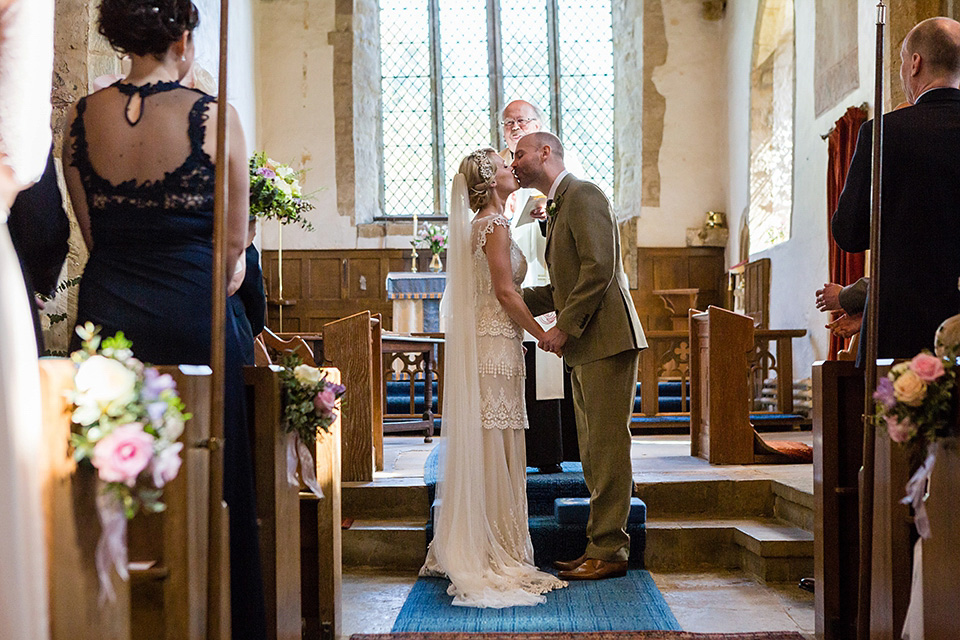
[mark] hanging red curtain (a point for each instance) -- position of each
(845, 268)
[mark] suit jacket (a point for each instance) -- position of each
(853, 297)
(920, 228)
(589, 289)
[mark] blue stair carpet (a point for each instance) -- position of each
(551, 539)
(630, 603)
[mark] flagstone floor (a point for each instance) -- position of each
(711, 601)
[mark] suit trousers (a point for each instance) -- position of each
(603, 395)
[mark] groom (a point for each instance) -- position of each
(599, 336)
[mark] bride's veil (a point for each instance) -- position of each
(464, 547)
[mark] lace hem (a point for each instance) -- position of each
(498, 411)
(487, 229)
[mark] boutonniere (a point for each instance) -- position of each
(553, 205)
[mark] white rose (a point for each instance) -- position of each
(306, 374)
(285, 172)
(909, 389)
(282, 185)
(104, 382)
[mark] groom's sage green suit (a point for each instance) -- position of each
(591, 295)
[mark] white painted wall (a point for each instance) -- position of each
(241, 91)
(693, 155)
(799, 266)
(295, 121)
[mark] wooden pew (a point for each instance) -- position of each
(320, 539)
(278, 509)
(169, 589)
(892, 535)
(837, 456)
(72, 526)
(349, 345)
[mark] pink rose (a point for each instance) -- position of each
(325, 401)
(927, 367)
(122, 455)
(166, 464)
(899, 431)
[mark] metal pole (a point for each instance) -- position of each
(869, 429)
(218, 624)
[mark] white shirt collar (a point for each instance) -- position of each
(556, 184)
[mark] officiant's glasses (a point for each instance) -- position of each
(520, 122)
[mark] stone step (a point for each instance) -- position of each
(392, 498)
(385, 544)
(770, 549)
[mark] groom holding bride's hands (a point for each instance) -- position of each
(599, 336)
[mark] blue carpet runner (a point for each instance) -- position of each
(630, 603)
(551, 540)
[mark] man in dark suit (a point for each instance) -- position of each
(920, 229)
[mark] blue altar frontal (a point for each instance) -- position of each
(416, 300)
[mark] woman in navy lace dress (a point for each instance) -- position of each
(140, 170)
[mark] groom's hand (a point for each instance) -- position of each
(553, 341)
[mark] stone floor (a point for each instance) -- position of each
(711, 601)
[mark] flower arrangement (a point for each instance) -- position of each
(309, 406)
(433, 236)
(915, 400)
(553, 206)
(128, 418)
(275, 192)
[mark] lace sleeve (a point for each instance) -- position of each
(488, 227)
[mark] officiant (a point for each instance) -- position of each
(552, 436)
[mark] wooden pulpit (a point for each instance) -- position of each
(720, 429)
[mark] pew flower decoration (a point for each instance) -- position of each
(127, 418)
(309, 406)
(916, 402)
(275, 192)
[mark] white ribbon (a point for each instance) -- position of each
(297, 451)
(917, 491)
(112, 545)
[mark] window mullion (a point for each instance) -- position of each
(495, 56)
(436, 86)
(553, 51)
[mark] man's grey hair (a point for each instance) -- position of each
(546, 139)
(537, 113)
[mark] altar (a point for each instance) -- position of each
(416, 300)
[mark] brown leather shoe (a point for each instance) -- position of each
(568, 565)
(594, 569)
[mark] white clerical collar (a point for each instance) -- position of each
(556, 184)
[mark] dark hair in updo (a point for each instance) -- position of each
(146, 27)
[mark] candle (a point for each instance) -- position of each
(414, 226)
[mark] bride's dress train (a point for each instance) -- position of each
(481, 539)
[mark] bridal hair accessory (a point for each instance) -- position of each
(484, 166)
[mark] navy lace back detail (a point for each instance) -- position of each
(189, 187)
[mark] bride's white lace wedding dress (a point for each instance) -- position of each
(481, 540)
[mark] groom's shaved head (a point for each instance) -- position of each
(541, 139)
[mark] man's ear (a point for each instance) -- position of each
(916, 64)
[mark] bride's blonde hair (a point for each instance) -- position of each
(477, 168)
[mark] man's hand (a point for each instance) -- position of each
(846, 326)
(539, 211)
(553, 341)
(828, 297)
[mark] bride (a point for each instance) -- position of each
(481, 540)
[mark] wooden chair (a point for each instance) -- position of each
(279, 346)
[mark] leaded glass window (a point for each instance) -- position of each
(448, 67)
